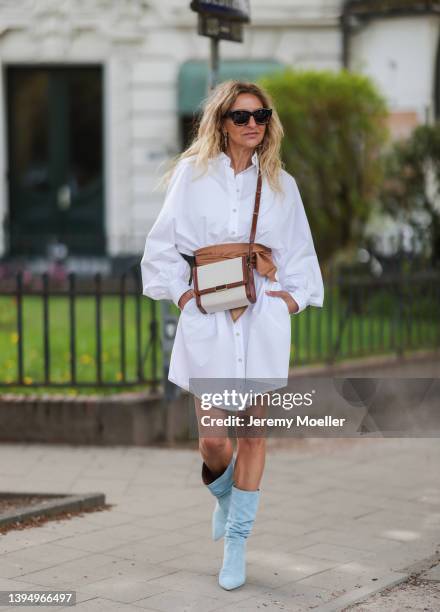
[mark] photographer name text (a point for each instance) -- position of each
(298, 421)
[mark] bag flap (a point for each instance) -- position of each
(220, 273)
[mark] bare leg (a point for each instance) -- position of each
(216, 450)
(251, 452)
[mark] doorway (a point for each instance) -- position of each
(55, 158)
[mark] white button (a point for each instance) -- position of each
(233, 232)
(237, 333)
(240, 359)
(234, 210)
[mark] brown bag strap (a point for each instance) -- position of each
(255, 213)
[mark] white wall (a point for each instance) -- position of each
(399, 55)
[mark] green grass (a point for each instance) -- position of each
(86, 340)
(377, 328)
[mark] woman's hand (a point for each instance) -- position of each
(285, 295)
(185, 297)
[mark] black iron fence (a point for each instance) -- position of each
(78, 332)
(102, 332)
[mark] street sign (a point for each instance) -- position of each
(218, 28)
(230, 10)
(220, 20)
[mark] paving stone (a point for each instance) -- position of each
(179, 601)
(191, 582)
(99, 604)
(124, 589)
(15, 540)
(196, 562)
(68, 527)
(273, 568)
(128, 532)
(38, 557)
(289, 544)
(95, 541)
(144, 551)
(108, 518)
(356, 540)
(12, 567)
(278, 526)
(167, 521)
(71, 574)
(333, 552)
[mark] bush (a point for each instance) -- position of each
(335, 128)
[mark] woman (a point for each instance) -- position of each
(238, 134)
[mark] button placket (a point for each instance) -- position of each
(232, 194)
(234, 221)
(238, 337)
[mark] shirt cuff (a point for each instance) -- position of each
(300, 298)
(177, 289)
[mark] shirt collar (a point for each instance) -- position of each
(227, 160)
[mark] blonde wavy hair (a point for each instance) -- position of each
(208, 141)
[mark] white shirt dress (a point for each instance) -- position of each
(212, 209)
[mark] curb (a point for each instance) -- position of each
(388, 581)
(51, 507)
(364, 363)
(348, 599)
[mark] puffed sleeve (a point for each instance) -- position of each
(165, 273)
(297, 264)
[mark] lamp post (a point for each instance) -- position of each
(220, 20)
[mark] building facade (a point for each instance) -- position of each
(96, 95)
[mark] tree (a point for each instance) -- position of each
(411, 191)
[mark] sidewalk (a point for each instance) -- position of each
(337, 518)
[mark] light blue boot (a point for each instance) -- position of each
(242, 511)
(221, 489)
